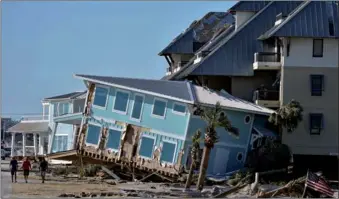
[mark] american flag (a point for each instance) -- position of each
(318, 184)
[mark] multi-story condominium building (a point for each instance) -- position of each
(290, 49)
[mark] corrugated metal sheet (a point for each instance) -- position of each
(178, 89)
(252, 6)
(201, 31)
(312, 21)
(234, 55)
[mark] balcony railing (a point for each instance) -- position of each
(35, 118)
(267, 95)
(266, 57)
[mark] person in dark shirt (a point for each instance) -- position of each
(43, 169)
(14, 168)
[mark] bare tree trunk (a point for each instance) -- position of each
(203, 168)
(190, 175)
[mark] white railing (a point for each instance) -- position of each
(35, 118)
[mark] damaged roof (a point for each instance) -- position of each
(183, 91)
(29, 127)
(72, 95)
(200, 31)
(234, 54)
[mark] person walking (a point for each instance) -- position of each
(14, 168)
(43, 169)
(26, 166)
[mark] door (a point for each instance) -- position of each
(220, 161)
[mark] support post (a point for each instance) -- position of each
(41, 149)
(50, 143)
(23, 144)
(34, 143)
(12, 144)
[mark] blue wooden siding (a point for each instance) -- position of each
(227, 142)
(172, 123)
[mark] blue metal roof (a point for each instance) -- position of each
(199, 31)
(312, 19)
(234, 55)
(251, 6)
(177, 89)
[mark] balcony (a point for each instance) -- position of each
(175, 67)
(35, 118)
(70, 115)
(266, 61)
(266, 98)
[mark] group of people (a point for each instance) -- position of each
(26, 167)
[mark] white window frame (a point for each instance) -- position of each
(249, 120)
(140, 142)
(90, 144)
(174, 153)
(158, 116)
(115, 98)
(94, 93)
(242, 159)
(142, 107)
(177, 112)
(115, 129)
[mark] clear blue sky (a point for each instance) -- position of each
(45, 43)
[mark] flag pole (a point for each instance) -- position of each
(304, 193)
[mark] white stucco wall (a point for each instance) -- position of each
(242, 17)
(301, 53)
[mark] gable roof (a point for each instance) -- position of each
(319, 14)
(199, 31)
(234, 54)
(175, 90)
(66, 96)
(250, 6)
(183, 91)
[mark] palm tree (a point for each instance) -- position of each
(194, 156)
(287, 116)
(214, 117)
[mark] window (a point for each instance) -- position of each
(137, 107)
(113, 141)
(146, 147)
(121, 102)
(63, 108)
(159, 108)
(317, 48)
(316, 123)
(60, 143)
(240, 156)
(179, 109)
(317, 85)
(93, 134)
(167, 152)
(247, 119)
(100, 97)
(46, 110)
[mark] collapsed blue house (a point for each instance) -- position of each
(149, 124)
